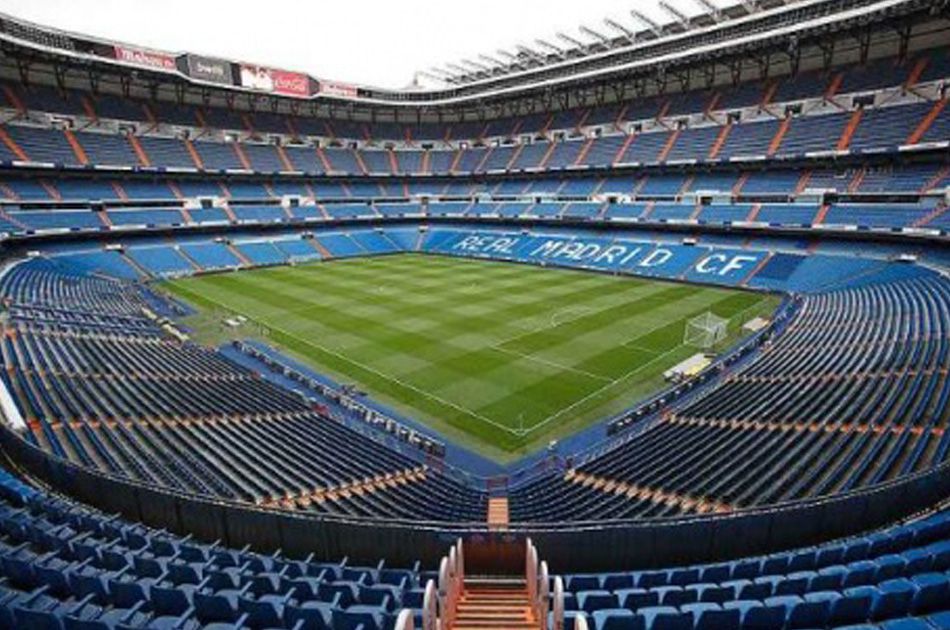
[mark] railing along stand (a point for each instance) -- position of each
(538, 584)
(557, 604)
(405, 620)
(557, 609)
(440, 601)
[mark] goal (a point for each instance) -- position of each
(705, 331)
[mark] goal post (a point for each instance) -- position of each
(705, 331)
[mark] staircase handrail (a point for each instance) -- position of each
(557, 621)
(440, 601)
(405, 620)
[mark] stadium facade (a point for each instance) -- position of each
(797, 149)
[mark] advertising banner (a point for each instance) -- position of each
(210, 70)
(290, 83)
(331, 88)
(257, 78)
(275, 81)
(145, 58)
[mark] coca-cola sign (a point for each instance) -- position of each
(145, 58)
(275, 81)
(290, 83)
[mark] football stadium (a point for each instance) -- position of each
(644, 331)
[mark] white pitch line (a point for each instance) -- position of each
(598, 391)
(563, 368)
(587, 311)
(581, 312)
(393, 379)
(614, 382)
(633, 346)
(551, 325)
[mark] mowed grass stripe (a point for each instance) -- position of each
(395, 336)
(367, 288)
(484, 349)
(408, 303)
(452, 367)
(342, 365)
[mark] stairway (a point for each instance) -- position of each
(503, 599)
(921, 130)
(14, 148)
(495, 603)
(498, 511)
(139, 269)
(845, 140)
(193, 152)
(139, 151)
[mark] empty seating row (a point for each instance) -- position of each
(887, 577)
(99, 385)
(65, 566)
(749, 140)
(797, 421)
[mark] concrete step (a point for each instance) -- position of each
(498, 603)
(475, 600)
(494, 625)
(479, 582)
(520, 614)
(492, 609)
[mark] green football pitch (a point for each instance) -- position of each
(500, 357)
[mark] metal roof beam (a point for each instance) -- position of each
(714, 12)
(675, 13)
(440, 72)
(460, 71)
(476, 65)
(586, 30)
(513, 60)
(571, 40)
(647, 22)
(629, 35)
(751, 6)
(531, 53)
(549, 46)
(495, 62)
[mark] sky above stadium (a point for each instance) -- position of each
(375, 42)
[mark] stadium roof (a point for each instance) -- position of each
(455, 41)
(610, 60)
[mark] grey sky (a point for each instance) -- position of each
(377, 42)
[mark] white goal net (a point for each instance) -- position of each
(705, 331)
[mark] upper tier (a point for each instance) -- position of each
(882, 105)
(925, 66)
(920, 123)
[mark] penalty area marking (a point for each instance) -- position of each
(620, 378)
(617, 380)
(563, 368)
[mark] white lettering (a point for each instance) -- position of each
(658, 256)
(610, 253)
(705, 264)
(737, 262)
(546, 248)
